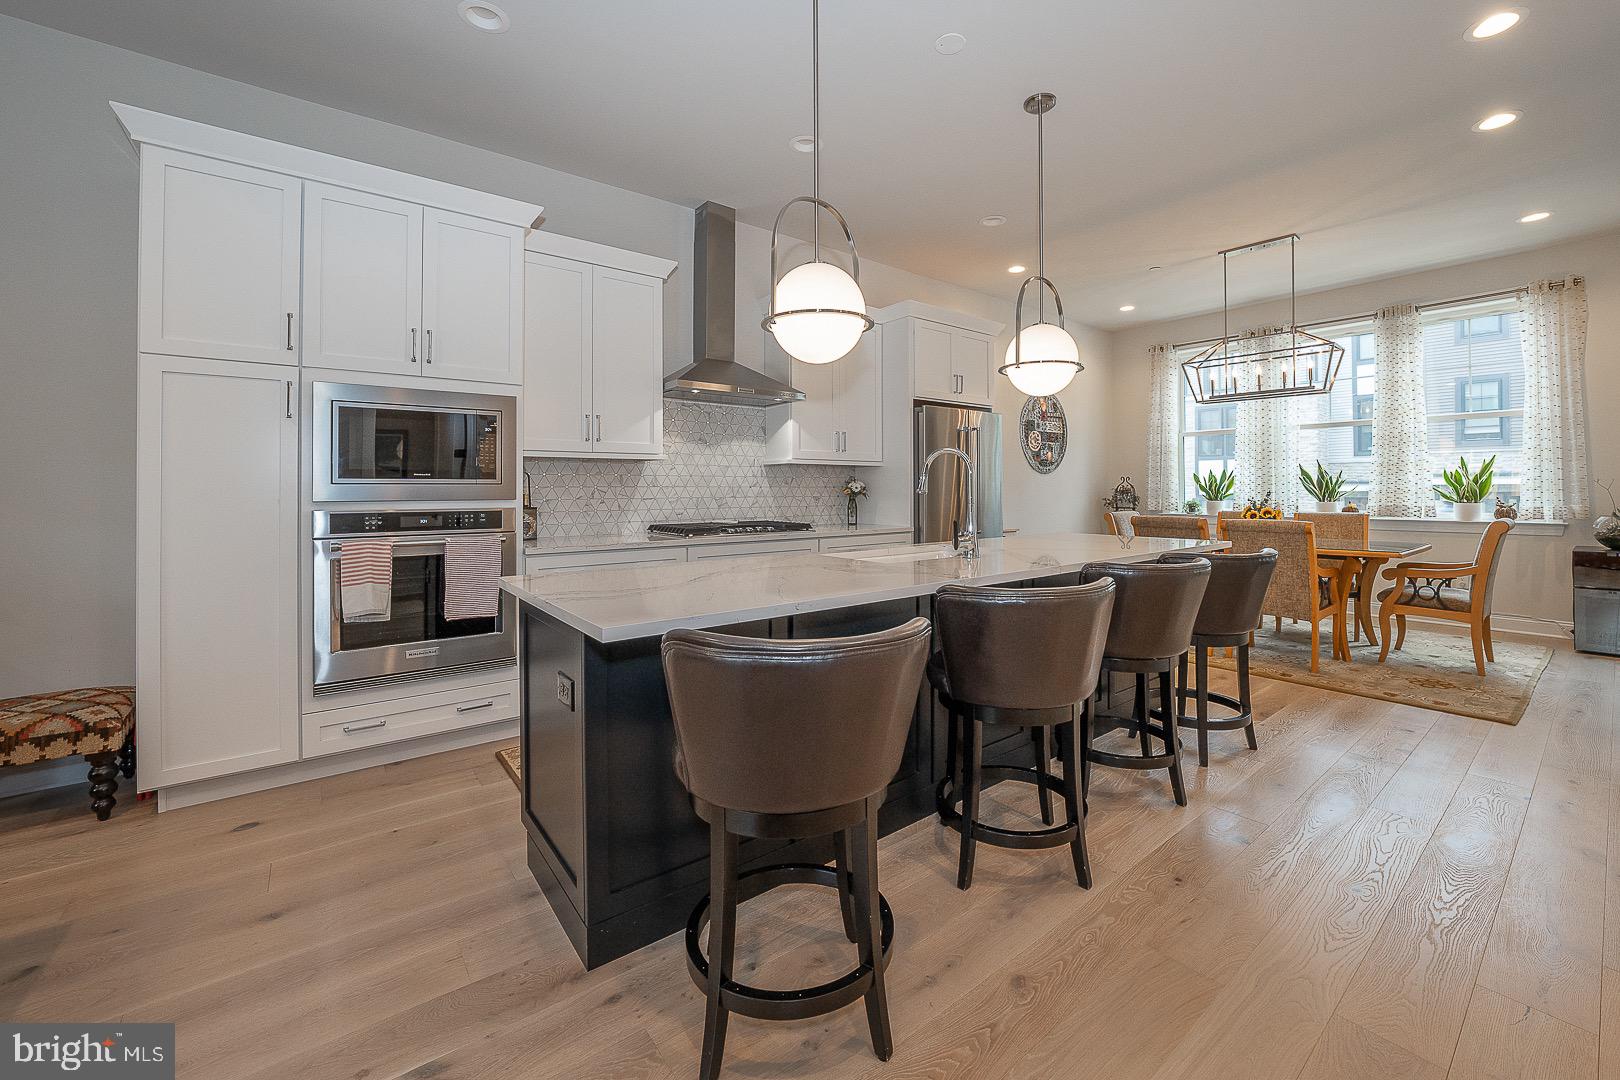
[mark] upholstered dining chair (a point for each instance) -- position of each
(1174, 526)
(1300, 588)
(1426, 589)
(1222, 517)
(1119, 523)
(1342, 530)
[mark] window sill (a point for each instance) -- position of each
(1448, 525)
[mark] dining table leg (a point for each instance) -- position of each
(1366, 584)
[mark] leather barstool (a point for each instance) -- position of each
(1023, 657)
(1226, 619)
(1154, 610)
(786, 739)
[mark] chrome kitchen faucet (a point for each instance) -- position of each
(967, 538)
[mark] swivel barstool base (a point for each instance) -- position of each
(1242, 706)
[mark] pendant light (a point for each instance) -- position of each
(1042, 358)
(817, 311)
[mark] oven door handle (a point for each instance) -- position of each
(336, 548)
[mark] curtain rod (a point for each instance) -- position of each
(1500, 294)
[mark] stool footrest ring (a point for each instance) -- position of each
(1237, 722)
(946, 798)
(793, 1004)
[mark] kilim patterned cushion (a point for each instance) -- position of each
(39, 727)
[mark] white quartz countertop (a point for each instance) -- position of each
(621, 603)
(556, 545)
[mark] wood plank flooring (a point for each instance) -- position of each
(1378, 893)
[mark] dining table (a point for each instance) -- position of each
(1359, 565)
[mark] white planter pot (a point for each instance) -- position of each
(1327, 508)
(1213, 506)
(1470, 511)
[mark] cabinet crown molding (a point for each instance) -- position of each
(916, 309)
(145, 127)
(587, 251)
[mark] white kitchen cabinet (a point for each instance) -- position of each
(593, 350)
(216, 567)
(219, 259)
(950, 354)
(660, 552)
(362, 281)
(472, 298)
(840, 420)
(865, 540)
(750, 547)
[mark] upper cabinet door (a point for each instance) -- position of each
(932, 372)
(362, 281)
(556, 355)
(472, 298)
(860, 403)
(627, 362)
(970, 361)
(817, 420)
(219, 259)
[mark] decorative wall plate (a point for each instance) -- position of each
(1043, 429)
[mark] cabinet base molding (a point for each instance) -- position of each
(226, 787)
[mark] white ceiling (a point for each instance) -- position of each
(1182, 126)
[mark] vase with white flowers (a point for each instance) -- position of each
(853, 490)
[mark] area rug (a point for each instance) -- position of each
(1433, 671)
(511, 760)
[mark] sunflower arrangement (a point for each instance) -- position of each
(1262, 509)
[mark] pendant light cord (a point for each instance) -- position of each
(815, 118)
(1040, 207)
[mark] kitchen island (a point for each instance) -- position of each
(612, 838)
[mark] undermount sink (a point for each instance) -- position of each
(909, 555)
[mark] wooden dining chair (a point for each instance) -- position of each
(1222, 517)
(1426, 589)
(1174, 526)
(1301, 587)
(1119, 522)
(1342, 530)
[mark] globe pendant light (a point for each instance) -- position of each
(1042, 358)
(817, 311)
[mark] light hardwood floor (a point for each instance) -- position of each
(1379, 892)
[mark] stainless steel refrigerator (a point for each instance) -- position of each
(937, 516)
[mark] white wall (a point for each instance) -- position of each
(67, 247)
(1535, 579)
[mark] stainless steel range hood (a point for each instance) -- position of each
(717, 378)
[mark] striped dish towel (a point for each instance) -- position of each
(366, 580)
(472, 570)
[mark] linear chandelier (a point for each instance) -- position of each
(1287, 363)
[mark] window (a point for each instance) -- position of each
(1474, 388)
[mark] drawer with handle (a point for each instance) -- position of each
(336, 730)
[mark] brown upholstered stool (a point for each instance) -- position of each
(97, 721)
(1226, 619)
(1154, 610)
(1026, 657)
(791, 739)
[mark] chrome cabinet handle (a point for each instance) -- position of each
(598, 427)
(289, 332)
(349, 729)
(289, 399)
(428, 354)
(474, 708)
(413, 344)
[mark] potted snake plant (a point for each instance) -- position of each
(1466, 489)
(1327, 489)
(1216, 488)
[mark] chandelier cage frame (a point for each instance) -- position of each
(1307, 364)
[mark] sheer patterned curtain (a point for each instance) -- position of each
(1164, 429)
(1401, 486)
(1265, 450)
(1552, 330)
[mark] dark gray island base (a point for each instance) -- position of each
(612, 837)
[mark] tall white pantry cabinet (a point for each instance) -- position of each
(255, 260)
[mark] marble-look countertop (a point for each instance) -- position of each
(556, 545)
(620, 603)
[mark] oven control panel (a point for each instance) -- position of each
(406, 521)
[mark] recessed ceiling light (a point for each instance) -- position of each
(1127, 307)
(482, 15)
(1016, 269)
(992, 220)
(1496, 120)
(804, 144)
(1539, 215)
(950, 44)
(1493, 24)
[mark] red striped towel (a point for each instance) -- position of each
(366, 580)
(472, 570)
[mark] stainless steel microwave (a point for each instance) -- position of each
(392, 444)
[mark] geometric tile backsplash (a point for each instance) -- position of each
(713, 467)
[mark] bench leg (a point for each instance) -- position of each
(103, 782)
(126, 757)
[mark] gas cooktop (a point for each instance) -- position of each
(725, 528)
